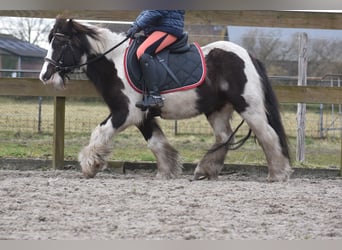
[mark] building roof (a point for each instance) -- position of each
(20, 48)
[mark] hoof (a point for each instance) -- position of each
(166, 176)
(283, 176)
(91, 164)
(204, 174)
(90, 171)
(200, 177)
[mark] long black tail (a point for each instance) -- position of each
(272, 107)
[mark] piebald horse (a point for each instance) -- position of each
(235, 81)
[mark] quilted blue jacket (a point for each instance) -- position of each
(169, 21)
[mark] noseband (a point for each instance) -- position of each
(65, 70)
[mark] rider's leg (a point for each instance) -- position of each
(154, 43)
(151, 76)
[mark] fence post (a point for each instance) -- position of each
(176, 128)
(301, 107)
(58, 132)
(40, 114)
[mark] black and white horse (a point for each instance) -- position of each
(235, 81)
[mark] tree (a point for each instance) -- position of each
(32, 30)
(325, 57)
(264, 45)
(280, 56)
(274, 52)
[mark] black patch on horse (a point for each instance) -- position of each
(184, 61)
(110, 86)
(223, 66)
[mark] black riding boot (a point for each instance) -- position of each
(151, 77)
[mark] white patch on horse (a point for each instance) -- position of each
(56, 80)
(180, 105)
(224, 85)
(279, 166)
(227, 46)
(108, 40)
(45, 65)
(93, 158)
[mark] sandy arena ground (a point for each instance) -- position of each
(57, 204)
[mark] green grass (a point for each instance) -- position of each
(19, 137)
(320, 153)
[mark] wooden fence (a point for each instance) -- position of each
(84, 88)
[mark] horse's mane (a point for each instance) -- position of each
(79, 33)
(71, 28)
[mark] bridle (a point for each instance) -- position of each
(65, 70)
(59, 64)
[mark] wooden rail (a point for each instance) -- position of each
(84, 88)
(268, 18)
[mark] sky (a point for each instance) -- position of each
(235, 32)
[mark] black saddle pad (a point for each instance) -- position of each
(186, 63)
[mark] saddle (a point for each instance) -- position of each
(181, 66)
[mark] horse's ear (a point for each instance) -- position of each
(70, 22)
(70, 26)
(60, 22)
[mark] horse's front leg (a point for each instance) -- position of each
(93, 158)
(168, 160)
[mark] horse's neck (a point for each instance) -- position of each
(107, 40)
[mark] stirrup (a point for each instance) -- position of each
(155, 101)
(150, 101)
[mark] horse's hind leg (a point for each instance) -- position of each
(278, 163)
(212, 162)
(93, 157)
(168, 160)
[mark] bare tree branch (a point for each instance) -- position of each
(32, 30)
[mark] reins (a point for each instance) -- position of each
(102, 55)
(233, 145)
(238, 144)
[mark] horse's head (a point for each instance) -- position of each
(68, 47)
